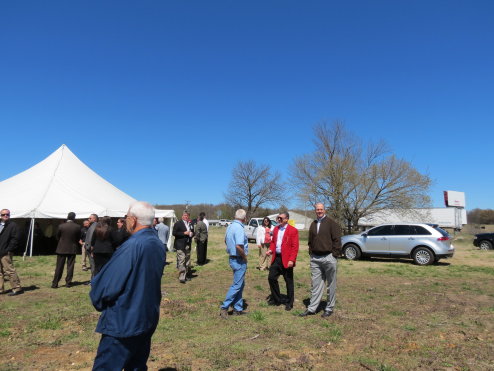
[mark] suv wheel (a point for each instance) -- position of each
(423, 256)
(352, 252)
(485, 245)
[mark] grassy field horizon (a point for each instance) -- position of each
(389, 315)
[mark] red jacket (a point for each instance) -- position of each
(289, 245)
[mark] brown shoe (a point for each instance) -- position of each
(223, 313)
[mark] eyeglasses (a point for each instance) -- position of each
(5, 214)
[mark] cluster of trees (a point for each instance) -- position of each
(352, 178)
(481, 216)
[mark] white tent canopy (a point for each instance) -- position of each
(62, 183)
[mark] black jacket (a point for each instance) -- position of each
(181, 240)
(9, 238)
(328, 240)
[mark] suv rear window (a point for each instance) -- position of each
(442, 231)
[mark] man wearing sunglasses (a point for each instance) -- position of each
(8, 244)
(284, 251)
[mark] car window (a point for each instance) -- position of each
(420, 230)
(274, 223)
(403, 230)
(383, 230)
(253, 223)
(442, 231)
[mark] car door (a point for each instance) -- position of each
(401, 241)
(376, 240)
(251, 229)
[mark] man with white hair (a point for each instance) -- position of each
(127, 291)
(237, 247)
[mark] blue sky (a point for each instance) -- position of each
(162, 98)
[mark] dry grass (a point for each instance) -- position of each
(390, 315)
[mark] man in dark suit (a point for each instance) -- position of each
(68, 235)
(183, 231)
(284, 251)
(8, 243)
(93, 220)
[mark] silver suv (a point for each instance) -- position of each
(424, 243)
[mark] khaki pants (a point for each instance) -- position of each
(84, 257)
(7, 268)
(183, 262)
(264, 260)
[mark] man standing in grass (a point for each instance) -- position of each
(127, 291)
(8, 243)
(68, 235)
(324, 248)
(237, 247)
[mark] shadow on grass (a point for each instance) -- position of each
(400, 261)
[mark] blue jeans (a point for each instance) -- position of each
(115, 354)
(234, 294)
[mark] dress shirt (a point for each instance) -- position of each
(281, 233)
(319, 222)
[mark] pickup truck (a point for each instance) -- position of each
(251, 228)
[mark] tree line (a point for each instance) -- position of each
(480, 216)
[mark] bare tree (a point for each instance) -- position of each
(355, 180)
(253, 186)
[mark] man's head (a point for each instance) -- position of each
(5, 215)
(240, 214)
(320, 210)
(161, 220)
(71, 216)
(139, 216)
(93, 218)
(186, 216)
(283, 218)
(202, 215)
(86, 223)
(155, 221)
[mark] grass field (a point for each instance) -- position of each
(390, 315)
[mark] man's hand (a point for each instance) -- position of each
(269, 253)
(290, 264)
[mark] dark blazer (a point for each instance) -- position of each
(289, 245)
(328, 240)
(181, 240)
(9, 237)
(68, 235)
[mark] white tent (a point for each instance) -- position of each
(62, 183)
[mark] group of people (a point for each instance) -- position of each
(278, 250)
(126, 283)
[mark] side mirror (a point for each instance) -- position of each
(364, 235)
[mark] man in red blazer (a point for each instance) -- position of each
(284, 250)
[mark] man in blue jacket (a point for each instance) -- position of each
(128, 293)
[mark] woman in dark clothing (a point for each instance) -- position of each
(120, 235)
(102, 244)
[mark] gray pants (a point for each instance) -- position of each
(323, 269)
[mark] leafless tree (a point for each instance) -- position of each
(355, 180)
(253, 186)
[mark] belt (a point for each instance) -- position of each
(233, 256)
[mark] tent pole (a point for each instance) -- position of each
(32, 238)
(29, 237)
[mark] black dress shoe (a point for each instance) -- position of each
(54, 286)
(288, 307)
(239, 312)
(306, 313)
(182, 281)
(327, 313)
(273, 303)
(14, 293)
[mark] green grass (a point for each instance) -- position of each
(389, 315)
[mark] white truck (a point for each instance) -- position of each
(251, 228)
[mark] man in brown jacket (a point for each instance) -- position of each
(68, 235)
(324, 248)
